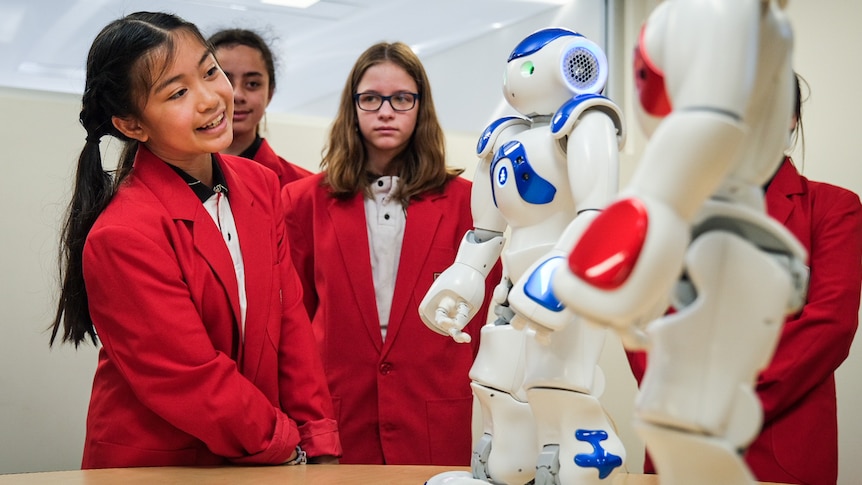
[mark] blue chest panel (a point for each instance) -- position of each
(531, 187)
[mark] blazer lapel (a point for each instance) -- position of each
(183, 205)
(423, 217)
(784, 186)
(348, 219)
(253, 229)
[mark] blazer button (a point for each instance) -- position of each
(385, 368)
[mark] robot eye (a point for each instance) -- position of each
(527, 69)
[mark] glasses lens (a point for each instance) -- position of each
(402, 101)
(369, 101)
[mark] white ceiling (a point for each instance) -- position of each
(463, 43)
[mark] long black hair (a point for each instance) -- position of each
(798, 135)
(124, 60)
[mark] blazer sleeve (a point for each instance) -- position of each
(151, 330)
(817, 340)
(304, 391)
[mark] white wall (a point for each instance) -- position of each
(44, 393)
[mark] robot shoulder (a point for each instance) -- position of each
(489, 136)
(567, 115)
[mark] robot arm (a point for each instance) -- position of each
(628, 260)
(457, 294)
(592, 151)
(486, 215)
(696, 145)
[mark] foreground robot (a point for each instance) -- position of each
(538, 174)
(692, 224)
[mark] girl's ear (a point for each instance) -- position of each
(271, 94)
(131, 128)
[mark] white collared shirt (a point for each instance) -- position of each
(218, 208)
(385, 221)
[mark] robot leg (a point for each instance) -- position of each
(506, 453)
(705, 358)
(715, 461)
(563, 380)
(586, 449)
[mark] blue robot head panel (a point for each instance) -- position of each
(535, 41)
(551, 66)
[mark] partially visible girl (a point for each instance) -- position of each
(798, 441)
(250, 66)
(178, 264)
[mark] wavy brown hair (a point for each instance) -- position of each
(421, 166)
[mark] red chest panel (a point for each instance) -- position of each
(649, 82)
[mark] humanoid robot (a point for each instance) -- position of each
(716, 84)
(537, 174)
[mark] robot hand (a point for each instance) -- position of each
(457, 294)
(451, 317)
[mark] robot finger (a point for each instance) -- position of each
(463, 315)
(459, 336)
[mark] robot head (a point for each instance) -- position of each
(550, 66)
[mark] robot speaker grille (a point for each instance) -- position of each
(581, 68)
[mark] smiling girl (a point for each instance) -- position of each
(177, 264)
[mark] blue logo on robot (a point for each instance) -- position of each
(599, 459)
(502, 176)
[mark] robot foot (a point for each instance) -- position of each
(548, 466)
(683, 458)
(455, 478)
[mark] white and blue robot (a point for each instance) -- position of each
(539, 174)
(716, 85)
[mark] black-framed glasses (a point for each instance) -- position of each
(400, 101)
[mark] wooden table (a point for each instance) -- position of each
(281, 475)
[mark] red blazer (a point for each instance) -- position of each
(287, 172)
(406, 400)
(175, 384)
(799, 439)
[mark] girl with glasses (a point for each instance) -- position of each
(368, 235)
